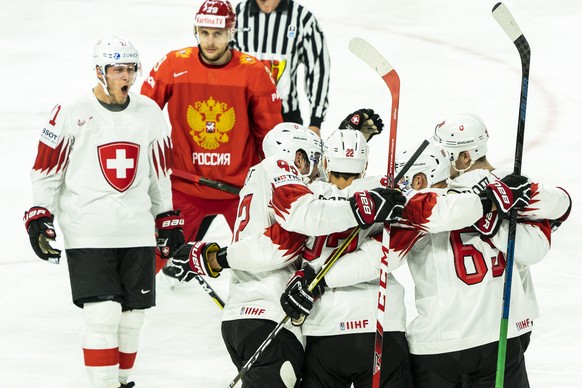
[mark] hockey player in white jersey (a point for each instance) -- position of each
(102, 169)
(342, 320)
(458, 275)
(277, 211)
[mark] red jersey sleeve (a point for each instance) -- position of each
(158, 85)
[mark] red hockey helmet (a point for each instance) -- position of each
(216, 14)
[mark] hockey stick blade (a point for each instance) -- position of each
(511, 28)
(367, 53)
(507, 22)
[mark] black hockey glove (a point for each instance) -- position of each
(511, 191)
(365, 121)
(170, 234)
(488, 225)
(378, 205)
(192, 260)
(297, 300)
(38, 222)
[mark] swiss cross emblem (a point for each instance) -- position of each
(210, 127)
(355, 119)
(118, 162)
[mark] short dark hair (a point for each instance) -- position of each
(344, 175)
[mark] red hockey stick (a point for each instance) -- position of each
(376, 61)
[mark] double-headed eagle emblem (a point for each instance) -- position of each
(210, 121)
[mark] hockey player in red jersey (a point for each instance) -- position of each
(277, 212)
(458, 275)
(102, 168)
(221, 104)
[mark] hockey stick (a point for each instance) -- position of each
(329, 262)
(206, 181)
(509, 25)
(376, 61)
(211, 293)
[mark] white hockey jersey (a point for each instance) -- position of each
(349, 305)
(105, 175)
(459, 275)
(276, 212)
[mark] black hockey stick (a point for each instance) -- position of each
(328, 264)
(509, 25)
(203, 283)
(206, 181)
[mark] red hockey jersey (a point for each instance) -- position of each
(219, 116)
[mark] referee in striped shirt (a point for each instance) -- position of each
(283, 34)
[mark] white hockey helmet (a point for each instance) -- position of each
(433, 163)
(285, 139)
(466, 132)
(115, 51)
(346, 151)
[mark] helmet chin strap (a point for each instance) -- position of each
(461, 171)
(103, 82)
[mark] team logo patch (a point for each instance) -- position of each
(247, 59)
(210, 121)
(118, 162)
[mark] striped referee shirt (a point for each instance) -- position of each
(283, 39)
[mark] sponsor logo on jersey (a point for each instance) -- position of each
(286, 179)
(354, 325)
(80, 122)
(521, 325)
(291, 32)
(255, 311)
(118, 162)
(211, 158)
(49, 137)
(176, 75)
(210, 121)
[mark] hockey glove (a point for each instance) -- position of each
(170, 234)
(38, 222)
(297, 300)
(192, 260)
(365, 121)
(488, 225)
(511, 191)
(378, 205)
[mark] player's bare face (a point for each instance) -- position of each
(268, 6)
(120, 77)
(214, 45)
(309, 166)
